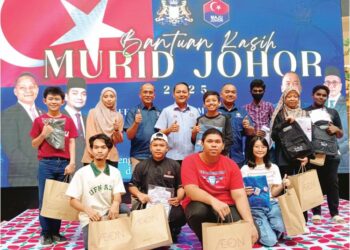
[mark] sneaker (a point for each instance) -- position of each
(59, 238)
(46, 240)
(337, 219)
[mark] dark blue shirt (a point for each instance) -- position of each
(236, 116)
(140, 144)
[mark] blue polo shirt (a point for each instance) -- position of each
(236, 115)
(180, 144)
(140, 144)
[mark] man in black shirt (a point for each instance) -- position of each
(327, 174)
(163, 172)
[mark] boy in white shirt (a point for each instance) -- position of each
(96, 189)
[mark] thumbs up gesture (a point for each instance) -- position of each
(174, 127)
(138, 117)
(245, 122)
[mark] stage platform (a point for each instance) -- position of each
(22, 232)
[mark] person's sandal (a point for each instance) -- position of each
(316, 219)
(337, 219)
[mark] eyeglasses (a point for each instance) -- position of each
(332, 82)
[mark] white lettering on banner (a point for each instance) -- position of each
(167, 42)
(254, 54)
(251, 45)
(252, 63)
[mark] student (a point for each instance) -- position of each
(160, 171)
(328, 174)
(213, 118)
(96, 189)
(269, 220)
(214, 187)
(53, 163)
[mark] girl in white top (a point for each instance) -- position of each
(269, 220)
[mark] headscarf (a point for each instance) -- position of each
(105, 117)
(281, 105)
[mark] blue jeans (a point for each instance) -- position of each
(54, 170)
(270, 223)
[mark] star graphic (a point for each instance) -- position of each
(89, 28)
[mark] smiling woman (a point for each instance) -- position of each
(105, 119)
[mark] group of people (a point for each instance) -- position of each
(208, 183)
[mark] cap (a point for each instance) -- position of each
(332, 71)
(159, 136)
(76, 82)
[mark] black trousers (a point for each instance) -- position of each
(328, 176)
(176, 220)
(197, 212)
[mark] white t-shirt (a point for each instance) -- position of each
(95, 190)
(272, 174)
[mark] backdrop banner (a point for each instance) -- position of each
(124, 44)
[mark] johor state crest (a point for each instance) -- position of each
(174, 12)
(216, 12)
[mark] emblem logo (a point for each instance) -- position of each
(216, 12)
(174, 12)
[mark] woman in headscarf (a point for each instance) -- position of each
(287, 110)
(105, 119)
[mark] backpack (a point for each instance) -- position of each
(295, 143)
(322, 142)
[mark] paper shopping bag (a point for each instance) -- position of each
(232, 236)
(110, 234)
(292, 215)
(307, 188)
(56, 203)
(150, 228)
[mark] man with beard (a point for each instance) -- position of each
(259, 110)
(338, 102)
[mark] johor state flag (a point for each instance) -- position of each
(58, 38)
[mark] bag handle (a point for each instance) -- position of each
(302, 169)
(220, 221)
(66, 178)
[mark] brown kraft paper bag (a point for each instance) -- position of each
(150, 228)
(233, 236)
(307, 188)
(292, 215)
(111, 234)
(56, 203)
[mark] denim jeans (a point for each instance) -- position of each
(270, 223)
(54, 170)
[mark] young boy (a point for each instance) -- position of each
(214, 119)
(160, 171)
(96, 189)
(53, 163)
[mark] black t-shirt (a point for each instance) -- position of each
(165, 173)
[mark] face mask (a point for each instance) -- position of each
(258, 97)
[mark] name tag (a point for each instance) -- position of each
(169, 176)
